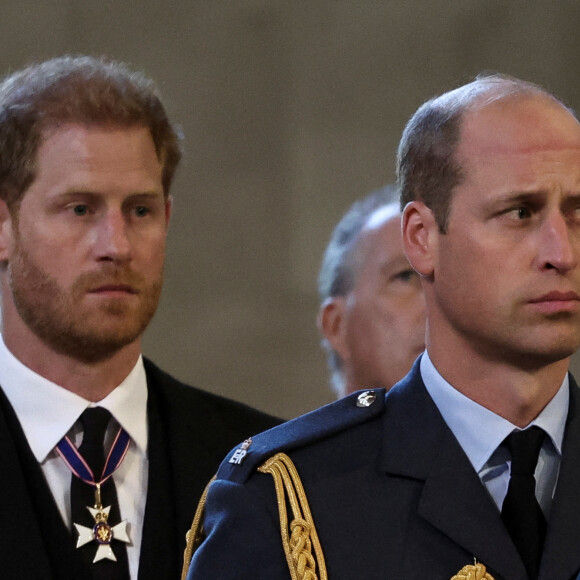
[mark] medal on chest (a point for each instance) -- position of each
(103, 532)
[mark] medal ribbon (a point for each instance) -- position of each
(76, 463)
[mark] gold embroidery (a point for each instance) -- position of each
(299, 537)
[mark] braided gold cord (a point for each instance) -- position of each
(301, 548)
(195, 535)
(475, 572)
(300, 537)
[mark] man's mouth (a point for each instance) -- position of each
(556, 301)
(114, 289)
(556, 296)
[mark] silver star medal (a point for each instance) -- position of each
(102, 532)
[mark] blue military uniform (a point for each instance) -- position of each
(387, 493)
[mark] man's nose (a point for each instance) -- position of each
(558, 244)
(112, 238)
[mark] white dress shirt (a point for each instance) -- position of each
(48, 412)
(480, 433)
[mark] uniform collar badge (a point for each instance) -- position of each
(366, 399)
(241, 452)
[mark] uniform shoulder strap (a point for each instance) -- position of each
(299, 537)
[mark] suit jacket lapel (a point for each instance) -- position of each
(157, 559)
(561, 557)
(23, 551)
(38, 542)
(180, 465)
(190, 432)
(453, 499)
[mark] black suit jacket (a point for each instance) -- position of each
(189, 433)
(392, 494)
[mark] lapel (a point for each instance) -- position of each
(453, 499)
(35, 542)
(561, 557)
(157, 558)
(23, 552)
(186, 445)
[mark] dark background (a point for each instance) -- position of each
(291, 110)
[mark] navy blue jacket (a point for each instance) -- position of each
(392, 494)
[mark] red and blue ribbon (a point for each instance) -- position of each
(77, 464)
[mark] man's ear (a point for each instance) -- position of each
(5, 232)
(332, 324)
(420, 237)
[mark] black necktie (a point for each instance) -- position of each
(521, 512)
(95, 421)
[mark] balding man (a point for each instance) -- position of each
(372, 313)
(467, 468)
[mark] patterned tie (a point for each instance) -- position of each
(521, 512)
(94, 422)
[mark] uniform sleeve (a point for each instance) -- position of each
(243, 540)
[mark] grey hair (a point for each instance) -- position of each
(337, 275)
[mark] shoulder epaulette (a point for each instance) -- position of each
(333, 418)
(266, 452)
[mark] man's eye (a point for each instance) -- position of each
(141, 211)
(80, 210)
(521, 213)
(405, 275)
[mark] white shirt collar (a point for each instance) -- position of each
(47, 412)
(479, 430)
